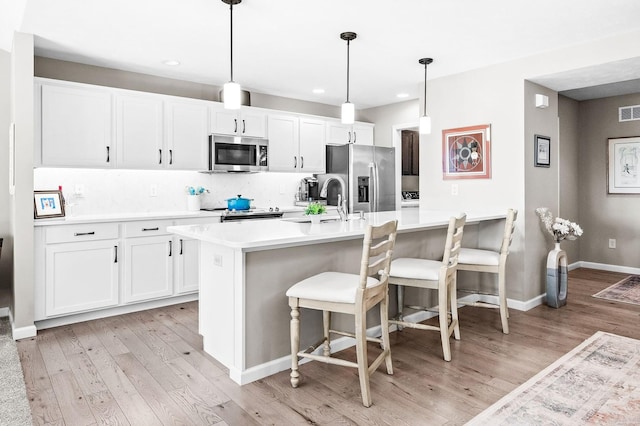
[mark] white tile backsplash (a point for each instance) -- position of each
(129, 191)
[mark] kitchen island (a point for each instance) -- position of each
(246, 268)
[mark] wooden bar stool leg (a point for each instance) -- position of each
(295, 345)
(361, 355)
(504, 309)
(384, 323)
(443, 307)
(400, 304)
(326, 324)
(453, 298)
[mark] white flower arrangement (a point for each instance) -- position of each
(559, 228)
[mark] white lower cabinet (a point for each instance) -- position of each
(81, 276)
(148, 270)
(88, 267)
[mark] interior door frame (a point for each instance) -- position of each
(397, 144)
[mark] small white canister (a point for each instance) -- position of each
(193, 203)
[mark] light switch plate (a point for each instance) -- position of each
(454, 189)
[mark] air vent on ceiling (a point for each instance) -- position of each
(629, 113)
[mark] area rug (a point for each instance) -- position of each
(627, 291)
(598, 382)
(14, 407)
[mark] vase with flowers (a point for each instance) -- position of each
(557, 265)
(193, 197)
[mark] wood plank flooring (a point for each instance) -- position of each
(148, 368)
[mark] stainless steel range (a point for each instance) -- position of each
(251, 214)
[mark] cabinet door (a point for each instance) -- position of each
(252, 123)
(283, 143)
(148, 268)
(76, 127)
(187, 132)
(312, 145)
(362, 134)
(139, 132)
(81, 276)
(187, 277)
(224, 121)
(338, 133)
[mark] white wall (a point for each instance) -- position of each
(387, 116)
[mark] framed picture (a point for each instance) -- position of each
(466, 152)
(542, 147)
(47, 204)
(623, 159)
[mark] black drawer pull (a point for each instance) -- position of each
(170, 248)
(115, 249)
(79, 234)
(151, 229)
(180, 246)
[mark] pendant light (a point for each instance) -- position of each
(425, 120)
(231, 90)
(348, 109)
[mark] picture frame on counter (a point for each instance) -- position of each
(466, 152)
(623, 158)
(48, 204)
(542, 150)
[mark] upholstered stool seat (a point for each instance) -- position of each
(478, 257)
(348, 293)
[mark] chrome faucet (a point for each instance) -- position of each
(343, 209)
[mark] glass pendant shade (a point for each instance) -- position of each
(231, 94)
(425, 125)
(348, 113)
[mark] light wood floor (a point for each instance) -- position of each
(148, 368)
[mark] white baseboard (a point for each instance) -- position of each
(4, 312)
(610, 268)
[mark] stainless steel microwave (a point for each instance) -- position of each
(238, 154)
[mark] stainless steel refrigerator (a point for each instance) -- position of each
(369, 175)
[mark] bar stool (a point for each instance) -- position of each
(434, 275)
(353, 294)
(494, 262)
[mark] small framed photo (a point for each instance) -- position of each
(623, 173)
(542, 148)
(47, 204)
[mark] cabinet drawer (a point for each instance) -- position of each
(84, 232)
(146, 228)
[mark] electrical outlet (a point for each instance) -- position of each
(153, 191)
(612, 243)
(78, 191)
(454, 189)
(217, 260)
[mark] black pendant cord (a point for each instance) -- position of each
(348, 43)
(231, 30)
(425, 89)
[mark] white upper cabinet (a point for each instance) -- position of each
(312, 145)
(358, 133)
(139, 132)
(283, 143)
(187, 131)
(296, 143)
(246, 121)
(76, 126)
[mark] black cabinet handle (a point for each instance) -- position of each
(170, 156)
(180, 246)
(235, 121)
(151, 229)
(170, 248)
(244, 126)
(115, 258)
(79, 234)
(295, 162)
(355, 135)
(301, 162)
(160, 157)
(349, 141)
(108, 149)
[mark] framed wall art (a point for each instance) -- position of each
(542, 150)
(466, 152)
(623, 160)
(47, 204)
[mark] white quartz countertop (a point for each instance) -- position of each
(261, 235)
(131, 216)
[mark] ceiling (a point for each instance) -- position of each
(290, 47)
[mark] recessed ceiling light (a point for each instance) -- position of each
(318, 91)
(402, 95)
(171, 62)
